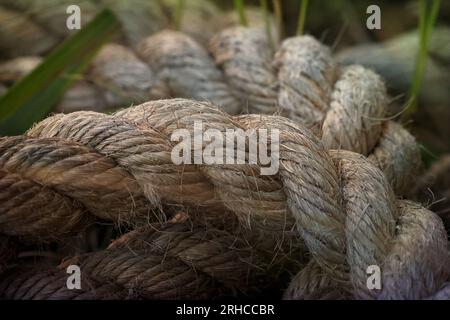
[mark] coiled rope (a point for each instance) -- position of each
(335, 205)
(345, 106)
(239, 72)
(162, 262)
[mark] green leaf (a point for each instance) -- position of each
(33, 97)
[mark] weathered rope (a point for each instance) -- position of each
(338, 202)
(127, 78)
(172, 262)
(345, 106)
(411, 249)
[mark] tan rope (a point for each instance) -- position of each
(118, 167)
(345, 106)
(172, 262)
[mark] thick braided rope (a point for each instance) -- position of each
(345, 106)
(164, 262)
(340, 204)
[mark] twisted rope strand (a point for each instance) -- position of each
(345, 106)
(175, 262)
(339, 203)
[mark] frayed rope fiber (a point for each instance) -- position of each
(345, 106)
(334, 207)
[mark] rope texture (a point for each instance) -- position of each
(163, 262)
(118, 167)
(239, 72)
(345, 106)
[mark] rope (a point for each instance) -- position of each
(344, 106)
(170, 262)
(42, 24)
(118, 167)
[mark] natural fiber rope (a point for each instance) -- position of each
(172, 262)
(341, 205)
(345, 106)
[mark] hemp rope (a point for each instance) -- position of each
(345, 106)
(340, 204)
(164, 262)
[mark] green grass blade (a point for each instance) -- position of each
(179, 10)
(267, 22)
(278, 10)
(427, 20)
(33, 97)
(432, 18)
(302, 17)
(239, 5)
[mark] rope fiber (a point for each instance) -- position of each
(334, 205)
